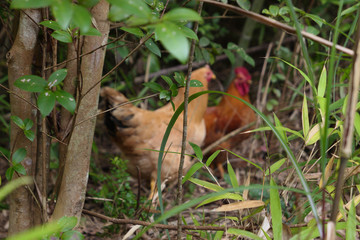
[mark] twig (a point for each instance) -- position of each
(276, 24)
(184, 136)
(162, 226)
(201, 63)
(226, 137)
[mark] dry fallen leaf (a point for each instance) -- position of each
(240, 205)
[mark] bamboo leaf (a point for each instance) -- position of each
(275, 208)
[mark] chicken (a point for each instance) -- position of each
(229, 115)
(138, 131)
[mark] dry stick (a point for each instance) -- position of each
(201, 63)
(346, 143)
(186, 102)
(276, 24)
(226, 137)
(162, 226)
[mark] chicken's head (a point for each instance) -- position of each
(242, 81)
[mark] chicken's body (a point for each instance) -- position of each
(229, 115)
(137, 131)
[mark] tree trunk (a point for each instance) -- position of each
(19, 60)
(73, 186)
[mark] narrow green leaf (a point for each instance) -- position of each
(192, 170)
(63, 12)
(243, 233)
(173, 40)
(197, 151)
(31, 83)
(322, 83)
(151, 45)
(351, 223)
(57, 77)
(275, 166)
(62, 36)
(212, 157)
(51, 24)
(305, 117)
(66, 100)
(26, 4)
(18, 121)
(19, 155)
(19, 169)
(195, 83)
(46, 102)
(357, 123)
(232, 175)
(208, 185)
(232, 196)
(81, 18)
(279, 127)
(182, 14)
(11, 186)
(275, 208)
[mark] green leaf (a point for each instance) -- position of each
(208, 185)
(167, 80)
(91, 32)
(135, 30)
(173, 40)
(357, 123)
(46, 102)
(82, 18)
(9, 173)
(18, 121)
(232, 175)
(28, 124)
(192, 170)
(31, 83)
(117, 13)
(151, 45)
(67, 223)
(11, 186)
(88, 3)
(19, 155)
(181, 15)
(230, 56)
(322, 83)
(62, 36)
(197, 151)
(165, 94)
(246, 57)
(66, 100)
(275, 208)
(351, 222)
(180, 79)
(305, 117)
(232, 196)
(63, 12)
(25, 4)
(187, 32)
(245, 4)
(212, 157)
(57, 77)
(133, 7)
(154, 86)
(204, 41)
(71, 235)
(196, 83)
(279, 128)
(29, 135)
(274, 10)
(19, 168)
(51, 24)
(275, 166)
(244, 233)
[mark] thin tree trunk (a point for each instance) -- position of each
(73, 186)
(19, 60)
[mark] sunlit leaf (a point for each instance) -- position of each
(193, 169)
(322, 83)
(31, 83)
(63, 12)
(62, 36)
(240, 205)
(187, 32)
(212, 157)
(26, 4)
(196, 83)
(29, 135)
(232, 196)
(182, 14)
(232, 175)
(208, 185)
(275, 166)
(82, 18)
(18, 121)
(197, 150)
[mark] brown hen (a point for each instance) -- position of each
(229, 115)
(137, 130)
